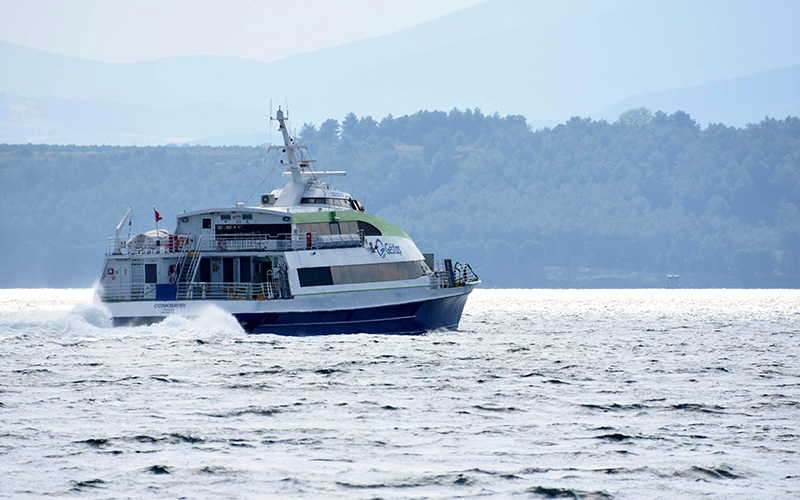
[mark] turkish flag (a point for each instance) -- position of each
(158, 217)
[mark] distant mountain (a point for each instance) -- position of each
(733, 102)
(73, 121)
(547, 61)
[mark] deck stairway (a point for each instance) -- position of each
(137, 279)
(188, 265)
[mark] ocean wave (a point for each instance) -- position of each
(73, 314)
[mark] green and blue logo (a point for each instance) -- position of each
(385, 249)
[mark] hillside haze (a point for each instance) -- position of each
(585, 204)
(546, 61)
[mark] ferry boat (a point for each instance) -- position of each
(308, 261)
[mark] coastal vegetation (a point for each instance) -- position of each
(586, 203)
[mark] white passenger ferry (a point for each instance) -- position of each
(308, 261)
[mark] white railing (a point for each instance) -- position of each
(233, 291)
(249, 242)
(283, 242)
(194, 291)
(462, 275)
(176, 244)
(138, 291)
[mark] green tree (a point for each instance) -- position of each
(636, 117)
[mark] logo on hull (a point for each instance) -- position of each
(385, 249)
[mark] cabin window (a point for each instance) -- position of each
(349, 227)
(247, 216)
(151, 273)
(326, 201)
(362, 273)
(369, 229)
(344, 227)
(225, 216)
(315, 276)
(206, 223)
(272, 230)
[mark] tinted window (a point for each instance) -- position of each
(151, 273)
(369, 229)
(315, 276)
(272, 230)
(349, 227)
(344, 227)
(363, 273)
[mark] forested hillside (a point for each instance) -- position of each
(584, 204)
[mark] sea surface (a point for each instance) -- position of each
(601, 394)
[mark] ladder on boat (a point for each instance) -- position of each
(137, 278)
(188, 272)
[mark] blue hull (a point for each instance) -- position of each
(414, 317)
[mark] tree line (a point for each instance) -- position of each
(587, 203)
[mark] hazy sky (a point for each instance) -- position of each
(143, 30)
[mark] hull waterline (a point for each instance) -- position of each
(406, 318)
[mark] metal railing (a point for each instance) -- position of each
(194, 291)
(177, 244)
(283, 242)
(233, 291)
(174, 243)
(461, 274)
(136, 291)
(249, 243)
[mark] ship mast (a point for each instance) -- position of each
(289, 147)
(292, 193)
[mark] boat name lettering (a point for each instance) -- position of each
(385, 249)
(168, 305)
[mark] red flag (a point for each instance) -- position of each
(158, 217)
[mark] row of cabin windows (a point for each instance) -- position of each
(274, 230)
(207, 222)
(309, 276)
(341, 227)
(329, 201)
(363, 273)
(281, 231)
(229, 216)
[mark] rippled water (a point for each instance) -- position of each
(541, 394)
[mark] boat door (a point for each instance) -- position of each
(262, 277)
(206, 228)
(262, 269)
(280, 273)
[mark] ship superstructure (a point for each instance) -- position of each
(308, 260)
